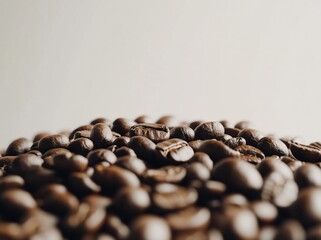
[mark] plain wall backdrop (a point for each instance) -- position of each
(63, 63)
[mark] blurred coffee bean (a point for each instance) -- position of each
(152, 131)
(80, 184)
(194, 124)
(132, 164)
(308, 175)
(38, 177)
(68, 162)
(18, 146)
(125, 151)
(143, 119)
(81, 146)
(251, 136)
(234, 199)
(267, 232)
(168, 120)
(290, 230)
(11, 182)
(88, 127)
(270, 165)
(53, 141)
(97, 201)
(121, 141)
(101, 120)
(264, 211)
(243, 125)
(183, 132)
(195, 145)
(24, 163)
(101, 155)
(115, 227)
(197, 171)
(235, 141)
(204, 159)
(250, 150)
(226, 123)
(40, 135)
(122, 126)
(211, 190)
(306, 153)
(168, 174)
(101, 135)
(209, 130)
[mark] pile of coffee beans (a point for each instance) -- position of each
(160, 180)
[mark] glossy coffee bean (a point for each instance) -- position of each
(174, 151)
(81, 184)
(18, 146)
(125, 151)
(152, 131)
(168, 174)
(270, 165)
(233, 132)
(314, 233)
(101, 120)
(210, 190)
(121, 141)
(101, 155)
(68, 162)
(48, 156)
(101, 135)
(53, 141)
(194, 124)
(132, 164)
(291, 230)
(197, 171)
(122, 126)
(24, 163)
(251, 136)
(183, 132)
(272, 146)
(306, 153)
(235, 141)
(81, 146)
(249, 150)
(87, 127)
(82, 134)
(209, 130)
(238, 175)
(202, 158)
(143, 147)
(148, 227)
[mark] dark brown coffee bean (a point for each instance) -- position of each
(143, 119)
(146, 227)
(195, 145)
(203, 158)
(306, 153)
(194, 124)
(183, 132)
(290, 230)
(15, 203)
(125, 151)
(143, 147)
(316, 144)
(11, 182)
(121, 141)
(112, 178)
(80, 184)
(174, 150)
(114, 226)
(35, 152)
(18, 146)
(233, 132)
(211, 190)
(270, 165)
(169, 197)
(251, 136)
(264, 211)
(53, 141)
(235, 141)
(68, 162)
(7, 160)
(81, 146)
(250, 150)
(308, 175)
(101, 120)
(48, 156)
(82, 134)
(168, 174)
(101, 135)
(272, 146)
(132, 164)
(209, 130)
(152, 131)
(168, 120)
(122, 126)
(280, 191)
(190, 219)
(238, 175)
(307, 207)
(197, 171)
(101, 155)
(24, 163)
(129, 202)
(35, 146)
(40, 135)
(217, 150)
(88, 127)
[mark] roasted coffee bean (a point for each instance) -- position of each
(68, 162)
(168, 174)
(80, 184)
(217, 150)
(316, 144)
(97, 201)
(235, 141)
(290, 230)
(174, 151)
(88, 127)
(130, 202)
(148, 227)
(243, 125)
(132, 164)
(152, 131)
(195, 145)
(211, 190)
(169, 197)
(190, 219)
(114, 226)
(280, 191)
(143, 119)
(264, 211)
(250, 150)
(122, 126)
(101, 120)
(238, 175)
(272, 146)
(101, 135)
(224, 138)
(35, 152)
(214, 234)
(183, 132)
(48, 156)
(314, 233)
(143, 147)
(226, 123)
(11, 182)
(82, 134)
(202, 158)
(233, 132)
(40, 135)
(209, 130)
(7, 160)
(194, 124)
(24, 163)
(306, 153)
(270, 165)
(125, 151)
(101, 155)
(197, 171)
(251, 136)
(18, 146)
(234, 199)
(53, 141)
(267, 232)
(112, 178)
(15, 203)
(81, 146)
(168, 120)
(121, 141)
(308, 175)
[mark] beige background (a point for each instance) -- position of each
(63, 63)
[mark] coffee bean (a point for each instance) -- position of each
(143, 119)
(183, 132)
(7, 160)
(132, 164)
(174, 151)
(226, 123)
(308, 175)
(234, 200)
(68, 162)
(168, 120)
(195, 145)
(316, 144)
(270, 165)
(267, 232)
(81, 146)
(81, 185)
(101, 120)
(125, 151)
(24, 163)
(235, 141)
(98, 201)
(48, 156)
(82, 134)
(314, 233)
(101, 155)
(251, 136)
(190, 219)
(243, 125)
(264, 211)
(18, 146)
(154, 132)
(87, 127)
(53, 141)
(143, 147)
(292, 163)
(169, 197)
(209, 130)
(233, 132)
(121, 141)
(211, 190)
(168, 174)
(214, 234)
(291, 230)
(202, 158)
(11, 182)
(197, 171)
(122, 126)
(250, 150)
(40, 135)
(148, 227)
(306, 153)
(101, 135)
(194, 124)
(114, 226)
(238, 175)
(38, 177)
(272, 146)
(217, 150)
